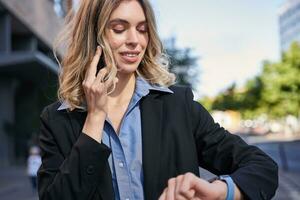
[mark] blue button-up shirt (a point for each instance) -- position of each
(125, 160)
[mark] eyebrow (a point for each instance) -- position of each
(122, 21)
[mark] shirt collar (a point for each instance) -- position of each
(142, 88)
(64, 105)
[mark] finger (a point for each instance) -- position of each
(186, 186)
(92, 69)
(178, 196)
(102, 72)
(98, 84)
(200, 185)
(163, 195)
(171, 189)
(100, 76)
(186, 182)
(187, 194)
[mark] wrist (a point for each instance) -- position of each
(93, 126)
(230, 186)
(221, 189)
(96, 116)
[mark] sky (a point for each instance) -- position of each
(230, 37)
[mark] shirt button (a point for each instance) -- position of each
(121, 164)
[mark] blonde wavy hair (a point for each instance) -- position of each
(84, 30)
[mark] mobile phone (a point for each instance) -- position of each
(101, 63)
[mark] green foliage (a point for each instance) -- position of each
(275, 92)
(281, 92)
(207, 103)
(226, 100)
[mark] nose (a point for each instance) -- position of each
(132, 37)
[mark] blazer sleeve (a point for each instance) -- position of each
(74, 176)
(221, 152)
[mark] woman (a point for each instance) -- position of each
(121, 131)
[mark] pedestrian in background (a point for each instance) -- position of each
(33, 163)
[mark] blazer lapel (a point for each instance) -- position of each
(77, 119)
(151, 117)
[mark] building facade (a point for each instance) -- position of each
(289, 23)
(28, 72)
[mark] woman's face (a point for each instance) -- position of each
(127, 34)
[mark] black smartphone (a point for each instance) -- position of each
(101, 63)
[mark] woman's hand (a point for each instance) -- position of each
(95, 90)
(189, 186)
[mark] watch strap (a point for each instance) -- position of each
(230, 186)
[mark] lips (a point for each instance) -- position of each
(130, 56)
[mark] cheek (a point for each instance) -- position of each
(116, 42)
(144, 41)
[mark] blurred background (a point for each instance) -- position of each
(241, 58)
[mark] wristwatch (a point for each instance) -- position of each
(230, 185)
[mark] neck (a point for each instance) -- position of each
(124, 89)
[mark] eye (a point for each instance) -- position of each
(143, 28)
(118, 28)
(118, 31)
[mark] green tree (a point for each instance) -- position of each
(207, 102)
(281, 91)
(226, 100)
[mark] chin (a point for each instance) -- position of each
(125, 68)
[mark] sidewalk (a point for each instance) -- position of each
(15, 185)
(289, 186)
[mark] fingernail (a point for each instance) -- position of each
(98, 48)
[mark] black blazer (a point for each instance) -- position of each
(178, 136)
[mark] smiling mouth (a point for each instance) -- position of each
(130, 57)
(130, 54)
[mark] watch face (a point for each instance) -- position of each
(213, 179)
